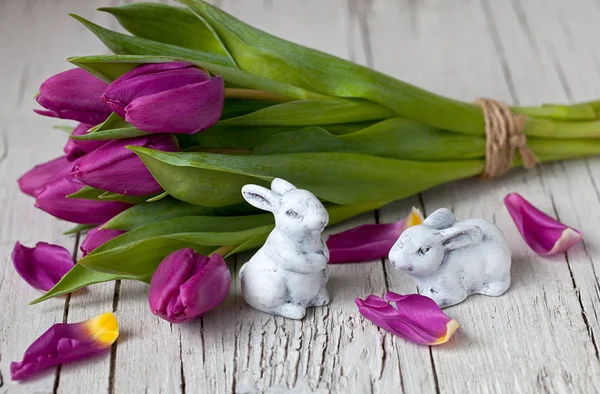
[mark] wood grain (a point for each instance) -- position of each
(540, 337)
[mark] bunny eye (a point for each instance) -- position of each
(291, 213)
(423, 250)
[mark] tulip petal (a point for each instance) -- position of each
(42, 266)
(74, 94)
(544, 235)
(197, 107)
(66, 342)
(41, 175)
(77, 148)
(416, 318)
(186, 285)
(52, 199)
(370, 241)
(119, 95)
(97, 237)
(116, 169)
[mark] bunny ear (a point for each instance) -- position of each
(260, 197)
(461, 236)
(281, 186)
(440, 219)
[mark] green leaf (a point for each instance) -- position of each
(63, 127)
(91, 193)
(186, 224)
(396, 138)
(143, 256)
(170, 25)
(205, 187)
(247, 137)
(128, 132)
(143, 214)
(79, 228)
(158, 197)
(79, 277)
(234, 107)
(341, 178)
(313, 112)
(129, 45)
(271, 57)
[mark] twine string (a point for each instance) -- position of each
(504, 134)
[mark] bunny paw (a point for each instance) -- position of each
(321, 300)
(292, 311)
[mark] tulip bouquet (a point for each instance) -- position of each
(194, 104)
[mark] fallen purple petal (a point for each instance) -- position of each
(370, 241)
(67, 342)
(42, 266)
(416, 318)
(544, 235)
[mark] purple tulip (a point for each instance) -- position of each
(74, 94)
(172, 97)
(544, 235)
(186, 285)
(43, 265)
(97, 237)
(66, 342)
(416, 318)
(74, 149)
(42, 174)
(369, 241)
(116, 169)
(52, 199)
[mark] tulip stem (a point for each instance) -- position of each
(224, 250)
(251, 94)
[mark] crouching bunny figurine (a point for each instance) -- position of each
(450, 260)
(289, 273)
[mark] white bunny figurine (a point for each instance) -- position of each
(289, 273)
(450, 260)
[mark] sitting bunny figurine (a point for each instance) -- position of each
(289, 273)
(450, 260)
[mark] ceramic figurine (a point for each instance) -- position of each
(289, 273)
(450, 260)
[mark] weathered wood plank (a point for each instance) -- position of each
(500, 332)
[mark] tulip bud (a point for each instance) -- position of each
(52, 199)
(171, 97)
(74, 149)
(116, 169)
(186, 285)
(97, 237)
(74, 94)
(35, 179)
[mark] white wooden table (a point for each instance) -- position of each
(540, 337)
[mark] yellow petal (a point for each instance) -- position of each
(103, 329)
(451, 327)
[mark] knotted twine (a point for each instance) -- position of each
(504, 134)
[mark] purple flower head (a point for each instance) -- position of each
(74, 94)
(117, 169)
(42, 174)
(52, 198)
(172, 97)
(186, 285)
